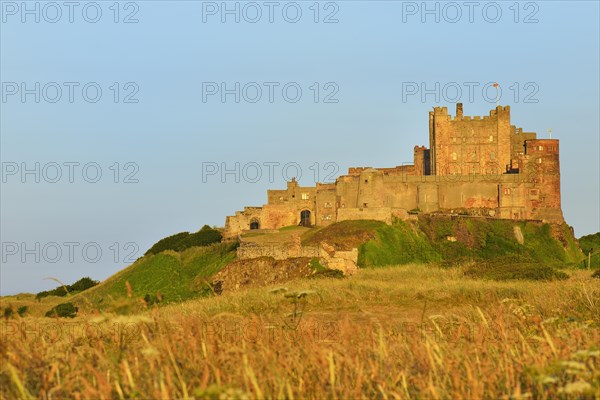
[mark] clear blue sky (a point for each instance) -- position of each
(167, 61)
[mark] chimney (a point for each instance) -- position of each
(459, 111)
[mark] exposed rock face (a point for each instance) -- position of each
(518, 234)
(261, 271)
(260, 265)
(345, 261)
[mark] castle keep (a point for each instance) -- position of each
(480, 166)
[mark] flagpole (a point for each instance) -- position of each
(497, 86)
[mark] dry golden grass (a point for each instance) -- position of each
(405, 332)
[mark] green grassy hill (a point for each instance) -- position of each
(446, 240)
(490, 245)
(174, 276)
(497, 249)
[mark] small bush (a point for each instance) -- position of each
(208, 289)
(328, 273)
(22, 311)
(322, 271)
(83, 284)
(316, 265)
(63, 290)
(596, 274)
(8, 312)
(64, 310)
(150, 299)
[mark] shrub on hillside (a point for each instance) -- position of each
(184, 240)
(151, 299)
(61, 291)
(64, 310)
(8, 312)
(321, 271)
(328, 273)
(83, 284)
(22, 310)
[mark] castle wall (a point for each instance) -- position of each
(242, 219)
(460, 142)
(277, 251)
(422, 161)
(517, 145)
(544, 201)
(326, 204)
(345, 261)
(383, 214)
(276, 216)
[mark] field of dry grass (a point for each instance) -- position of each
(413, 331)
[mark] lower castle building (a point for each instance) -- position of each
(474, 165)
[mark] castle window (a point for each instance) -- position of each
(492, 156)
(305, 196)
(506, 191)
(454, 156)
(534, 192)
(491, 138)
(473, 156)
(540, 147)
(453, 140)
(539, 160)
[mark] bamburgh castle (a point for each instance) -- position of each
(481, 166)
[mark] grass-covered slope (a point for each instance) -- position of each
(501, 249)
(452, 240)
(177, 276)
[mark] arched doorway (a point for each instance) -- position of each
(254, 224)
(305, 218)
